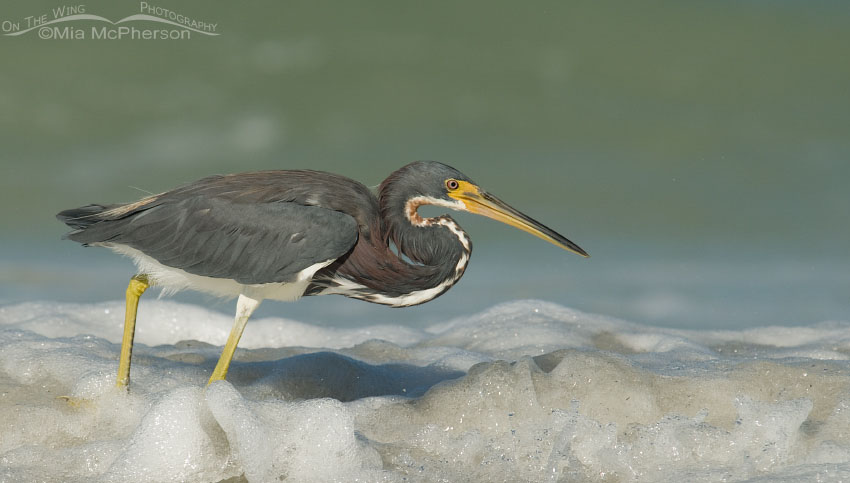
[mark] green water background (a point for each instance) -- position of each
(700, 151)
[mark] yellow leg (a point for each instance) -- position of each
(138, 285)
(245, 306)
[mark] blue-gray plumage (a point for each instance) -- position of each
(252, 243)
(285, 234)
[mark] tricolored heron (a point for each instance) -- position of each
(285, 234)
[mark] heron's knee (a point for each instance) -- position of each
(138, 285)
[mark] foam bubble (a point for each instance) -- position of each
(175, 440)
(526, 391)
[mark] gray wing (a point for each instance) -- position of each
(249, 242)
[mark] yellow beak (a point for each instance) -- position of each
(483, 203)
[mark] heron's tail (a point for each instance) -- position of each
(82, 217)
(87, 223)
(97, 223)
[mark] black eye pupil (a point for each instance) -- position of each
(452, 184)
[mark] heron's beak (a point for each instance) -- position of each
(483, 203)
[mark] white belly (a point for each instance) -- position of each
(173, 280)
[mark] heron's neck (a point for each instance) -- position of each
(432, 253)
(432, 256)
(436, 242)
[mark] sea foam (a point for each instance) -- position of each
(525, 391)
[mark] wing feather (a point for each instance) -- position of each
(252, 243)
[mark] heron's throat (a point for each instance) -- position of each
(411, 209)
(438, 242)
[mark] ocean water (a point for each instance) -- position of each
(658, 285)
(523, 391)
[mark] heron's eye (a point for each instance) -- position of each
(452, 184)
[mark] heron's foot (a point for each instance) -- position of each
(77, 402)
(95, 395)
(217, 375)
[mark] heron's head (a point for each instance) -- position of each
(433, 183)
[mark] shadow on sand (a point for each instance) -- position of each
(333, 375)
